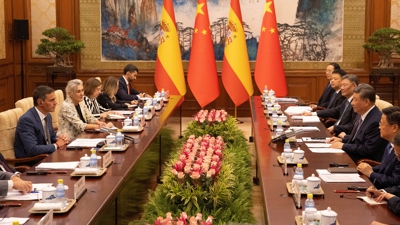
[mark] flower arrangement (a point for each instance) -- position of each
(183, 220)
(200, 159)
(210, 117)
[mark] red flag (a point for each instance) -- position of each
(269, 66)
(236, 75)
(169, 70)
(202, 70)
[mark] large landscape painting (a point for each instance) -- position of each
(309, 30)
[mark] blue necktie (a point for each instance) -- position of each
(332, 98)
(341, 116)
(356, 127)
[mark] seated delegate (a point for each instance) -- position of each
(75, 117)
(125, 91)
(107, 97)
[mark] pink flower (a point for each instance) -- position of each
(174, 172)
(196, 167)
(181, 175)
(179, 166)
(195, 175)
(215, 158)
(187, 169)
(168, 216)
(199, 217)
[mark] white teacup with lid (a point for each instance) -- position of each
(310, 215)
(127, 122)
(85, 161)
(277, 107)
(328, 217)
(313, 184)
(110, 140)
(49, 194)
(298, 155)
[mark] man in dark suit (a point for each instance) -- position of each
(323, 101)
(364, 140)
(386, 174)
(35, 134)
(391, 194)
(343, 98)
(125, 90)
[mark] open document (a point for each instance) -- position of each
(328, 177)
(57, 166)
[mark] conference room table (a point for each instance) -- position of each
(101, 191)
(278, 203)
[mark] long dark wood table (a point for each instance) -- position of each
(278, 204)
(101, 191)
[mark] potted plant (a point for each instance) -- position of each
(385, 42)
(59, 44)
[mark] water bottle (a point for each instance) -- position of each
(309, 201)
(299, 170)
(154, 101)
(162, 93)
(118, 138)
(93, 159)
(145, 110)
(60, 192)
(135, 120)
(286, 145)
(266, 89)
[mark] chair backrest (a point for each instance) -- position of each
(24, 104)
(8, 125)
(381, 104)
(54, 115)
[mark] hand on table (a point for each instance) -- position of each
(365, 169)
(330, 129)
(21, 185)
(305, 113)
(333, 139)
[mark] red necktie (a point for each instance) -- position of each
(129, 89)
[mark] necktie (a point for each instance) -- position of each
(46, 131)
(5, 167)
(356, 127)
(129, 89)
(387, 155)
(341, 116)
(332, 98)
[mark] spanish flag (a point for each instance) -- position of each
(169, 70)
(202, 72)
(269, 66)
(236, 75)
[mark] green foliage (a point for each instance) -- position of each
(59, 44)
(227, 199)
(385, 42)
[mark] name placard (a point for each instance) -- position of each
(161, 102)
(79, 188)
(142, 121)
(153, 110)
(47, 219)
(107, 159)
(297, 195)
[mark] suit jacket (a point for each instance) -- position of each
(69, 122)
(30, 139)
(4, 177)
(122, 93)
(394, 203)
(333, 112)
(326, 96)
(106, 102)
(347, 121)
(339, 98)
(387, 174)
(368, 142)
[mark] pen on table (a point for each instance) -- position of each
(346, 191)
(34, 192)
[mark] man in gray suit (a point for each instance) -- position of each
(9, 181)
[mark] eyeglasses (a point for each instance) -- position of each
(380, 124)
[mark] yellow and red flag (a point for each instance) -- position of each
(236, 75)
(169, 70)
(202, 72)
(269, 66)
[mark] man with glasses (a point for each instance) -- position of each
(386, 174)
(364, 140)
(125, 90)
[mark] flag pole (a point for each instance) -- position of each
(236, 119)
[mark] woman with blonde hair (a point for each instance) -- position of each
(107, 97)
(75, 117)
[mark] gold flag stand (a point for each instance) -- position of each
(236, 119)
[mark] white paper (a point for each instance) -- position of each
(124, 112)
(310, 139)
(310, 119)
(328, 177)
(145, 98)
(326, 150)
(57, 166)
(371, 201)
(115, 116)
(305, 128)
(297, 110)
(287, 100)
(10, 220)
(86, 142)
(318, 145)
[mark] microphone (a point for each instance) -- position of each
(285, 136)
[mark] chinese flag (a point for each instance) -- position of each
(236, 75)
(202, 72)
(269, 66)
(169, 70)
